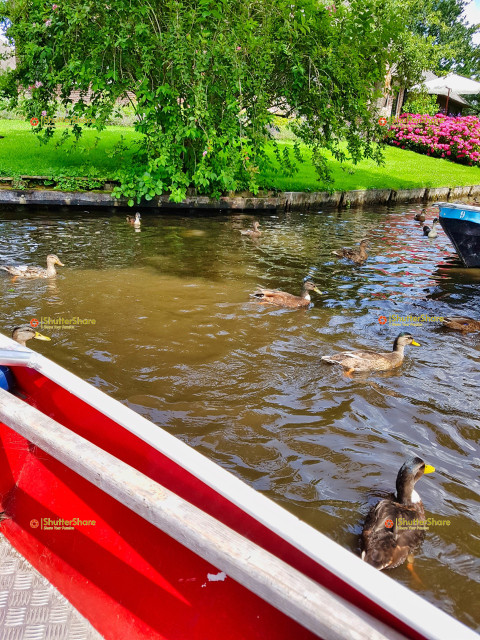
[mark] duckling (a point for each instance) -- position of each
(462, 323)
(282, 299)
(135, 221)
(371, 361)
(355, 255)
(386, 540)
(36, 272)
(25, 332)
(420, 217)
(252, 233)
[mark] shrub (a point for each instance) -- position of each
(421, 102)
(452, 138)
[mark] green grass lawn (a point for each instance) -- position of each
(22, 154)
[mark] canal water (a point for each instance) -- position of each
(178, 339)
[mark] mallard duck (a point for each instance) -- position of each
(431, 233)
(135, 221)
(26, 332)
(355, 255)
(420, 217)
(371, 361)
(462, 323)
(252, 233)
(282, 299)
(36, 272)
(386, 540)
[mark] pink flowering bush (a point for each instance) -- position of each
(453, 138)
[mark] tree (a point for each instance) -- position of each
(445, 23)
(205, 75)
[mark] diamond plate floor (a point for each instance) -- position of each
(31, 608)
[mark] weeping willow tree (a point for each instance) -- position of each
(207, 76)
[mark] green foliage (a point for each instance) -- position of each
(421, 102)
(444, 22)
(206, 75)
(73, 183)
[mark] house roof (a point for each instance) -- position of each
(452, 85)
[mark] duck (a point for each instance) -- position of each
(355, 255)
(283, 299)
(431, 233)
(420, 217)
(462, 323)
(135, 221)
(36, 272)
(252, 233)
(354, 361)
(25, 332)
(386, 542)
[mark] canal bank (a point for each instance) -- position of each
(279, 201)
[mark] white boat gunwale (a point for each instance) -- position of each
(405, 605)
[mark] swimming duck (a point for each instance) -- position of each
(355, 255)
(135, 221)
(462, 323)
(386, 543)
(282, 299)
(371, 361)
(36, 272)
(420, 217)
(25, 332)
(252, 233)
(431, 233)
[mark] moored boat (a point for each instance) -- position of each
(461, 223)
(147, 538)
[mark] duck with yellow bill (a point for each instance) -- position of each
(356, 361)
(25, 332)
(393, 528)
(25, 271)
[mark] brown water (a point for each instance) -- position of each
(178, 339)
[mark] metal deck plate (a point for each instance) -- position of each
(31, 608)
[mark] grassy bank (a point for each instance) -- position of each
(22, 154)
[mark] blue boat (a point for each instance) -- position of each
(461, 223)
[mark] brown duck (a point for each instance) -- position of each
(25, 332)
(25, 271)
(355, 255)
(387, 542)
(252, 233)
(420, 217)
(135, 221)
(353, 361)
(283, 299)
(462, 323)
